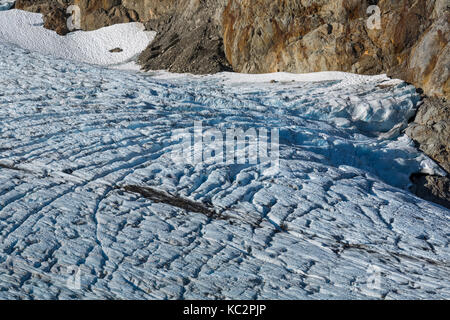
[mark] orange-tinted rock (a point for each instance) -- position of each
(309, 36)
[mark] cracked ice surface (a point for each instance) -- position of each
(73, 135)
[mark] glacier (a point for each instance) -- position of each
(85, 156)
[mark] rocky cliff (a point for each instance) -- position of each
(411, 41)
(431, 131)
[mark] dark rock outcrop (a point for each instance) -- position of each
(189, 39)
(432, 188)
(431, 130)
(54, 12)
(56, 19)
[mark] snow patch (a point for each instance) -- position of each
(26, 30)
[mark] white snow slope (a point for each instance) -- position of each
(26, 30)
(335, 222)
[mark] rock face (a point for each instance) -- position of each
(41, 6)
(431, 130)
(98, 14)
(432, 188)
(189, 38)
(151, 9)
(54, 12)
(429, 63)
(320, 35)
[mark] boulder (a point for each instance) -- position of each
(56, 19)
(54, 12)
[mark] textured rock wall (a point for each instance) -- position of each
(151, 9)
(99, 13)
(319, 35)
(431, 130)
(95, 14)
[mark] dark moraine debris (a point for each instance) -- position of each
(173, 200)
